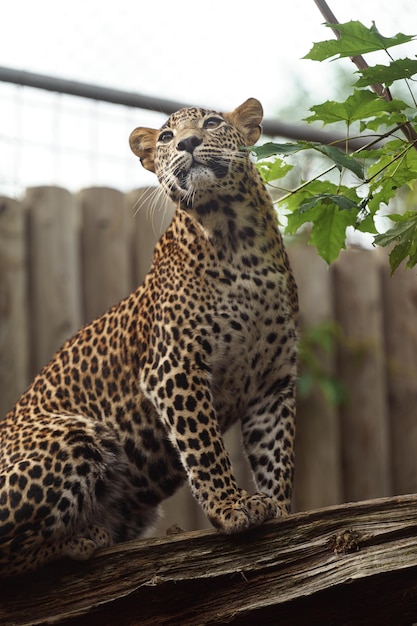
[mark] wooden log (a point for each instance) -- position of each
(352, 564)
(105, 249)
(54, 270)
(318, 479)
(400, 307)
(364, 420)
(14, 352)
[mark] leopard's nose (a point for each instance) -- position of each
(189, 144)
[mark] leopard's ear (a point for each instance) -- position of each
(142, 143)
(247, 119)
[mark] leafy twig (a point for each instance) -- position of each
(361, 64)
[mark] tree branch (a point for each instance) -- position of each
(350, 564)
(381, 91)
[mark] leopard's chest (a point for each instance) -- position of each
(249, 341)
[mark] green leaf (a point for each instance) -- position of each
(398, 254)
(387, 74)
(305, 382)
(403, 230)
(329, 231)
(329, 216)
(386, 119)
(334, 390)
(361, 105)
(403, 235)
(341, 159)
(366, 224)
(396, 167)
(316, 341)
(340, 201)
(355, 39)
(270, 149)
(401, 217)
(273, 170)
(323, 335)
(316, 188)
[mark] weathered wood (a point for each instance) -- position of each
(317, 447)
(400, 305)
(352, 564)
(365, 418)
(105, 249)
(14, 344)
(54, 271)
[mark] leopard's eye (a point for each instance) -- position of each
(212, 122)
(165, 136)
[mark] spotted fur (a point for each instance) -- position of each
(137, 401)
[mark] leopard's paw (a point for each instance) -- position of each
(77, 548)
(246, 511)
(81, 547)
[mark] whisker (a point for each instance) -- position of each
(168, 174)
(148, 196)
(154, 201)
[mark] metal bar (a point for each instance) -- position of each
(272, 128)
(85, 90)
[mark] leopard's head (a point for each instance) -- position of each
(197, 149)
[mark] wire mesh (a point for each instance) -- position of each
(54, 139)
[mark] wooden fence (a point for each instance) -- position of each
(65, 258)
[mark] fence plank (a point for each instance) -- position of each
(55, 311)
(180, 510)
(14, 344)
(152, 213)
(364, 425)
(105, 249)
(318, 431)
(400, 305)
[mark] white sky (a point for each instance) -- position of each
(214, 54)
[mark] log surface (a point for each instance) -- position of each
(351, 564)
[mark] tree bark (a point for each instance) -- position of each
(352, 564)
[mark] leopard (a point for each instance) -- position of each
(137, 401)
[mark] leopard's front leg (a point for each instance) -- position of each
(268, 434)
(186, 409)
